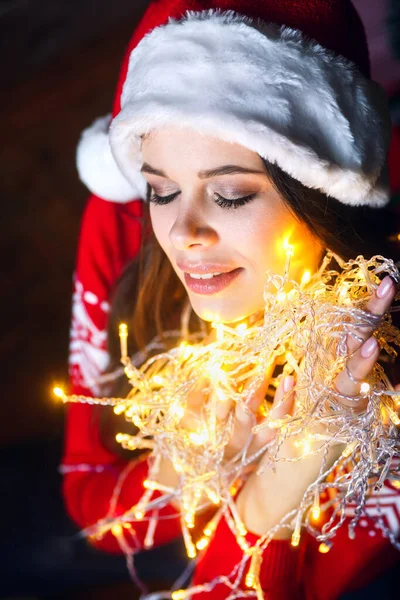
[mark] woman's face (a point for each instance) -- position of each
(220, 222)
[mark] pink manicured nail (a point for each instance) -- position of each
(288, 383)
(369, 347)
(384, 287)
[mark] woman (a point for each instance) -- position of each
(242, 133)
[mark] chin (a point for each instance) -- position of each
(222, 312)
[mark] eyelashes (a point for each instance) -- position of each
(233, 203)
(220, 200)
(163, 199)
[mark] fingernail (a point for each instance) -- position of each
(369, 347)
(288, 383)
(241, 412)
(384, 287)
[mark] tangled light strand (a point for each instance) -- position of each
(303, 331)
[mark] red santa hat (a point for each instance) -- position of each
(288, 79)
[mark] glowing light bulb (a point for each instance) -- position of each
(198, 439)
(59, 392)
(186, 350)
(281, 297)
(241, 529)
(348, 451)
(218, 330)
(344, 293)
(365, 387)
(250, 580)
(202, 543)
(316, 513)
(296, 532)
(252, 577)
(178, 411)
(288, 248)
(189, 520)
(179, 595)
(295, 539)
(304, 444)
(215, 499)
(316, 509)
(323, 548)
(210, 528)
(216, 373)
(306, 447)
(241, 328)
(305, 278)
(123, 339)
(116, 530)
(393, 416)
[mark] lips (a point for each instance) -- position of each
(209, 281)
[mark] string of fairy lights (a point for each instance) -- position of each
(302, 332)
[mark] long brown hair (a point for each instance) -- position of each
(150, 297)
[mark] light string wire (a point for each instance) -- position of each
(303, 331)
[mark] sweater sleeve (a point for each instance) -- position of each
(356, 562)
(281, 568)
(306, 573)
(109, 239)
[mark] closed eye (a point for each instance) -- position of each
(156, 199)
(220, 200)
(233, 202)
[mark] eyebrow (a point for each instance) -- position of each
(224, 170)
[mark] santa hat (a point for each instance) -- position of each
(288, 79)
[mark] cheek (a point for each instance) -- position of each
(260, 238)
(160, 222)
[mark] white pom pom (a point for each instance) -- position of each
(98, 170)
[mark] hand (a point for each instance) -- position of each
(266, 498)
(244, 415)
(244, 419)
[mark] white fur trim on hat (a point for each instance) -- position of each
(265, 87)
(98, 170)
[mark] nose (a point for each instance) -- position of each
(191, 229)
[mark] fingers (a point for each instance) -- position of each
(282, 406)
(358, 367)
(254, 401)
(363, 347)
(377, 305)
(245, 415)
(223, 405)
(382, 297)
(283, 398)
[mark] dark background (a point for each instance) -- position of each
(58, 69)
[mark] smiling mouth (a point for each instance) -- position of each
(210, 283)
(204, 276)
